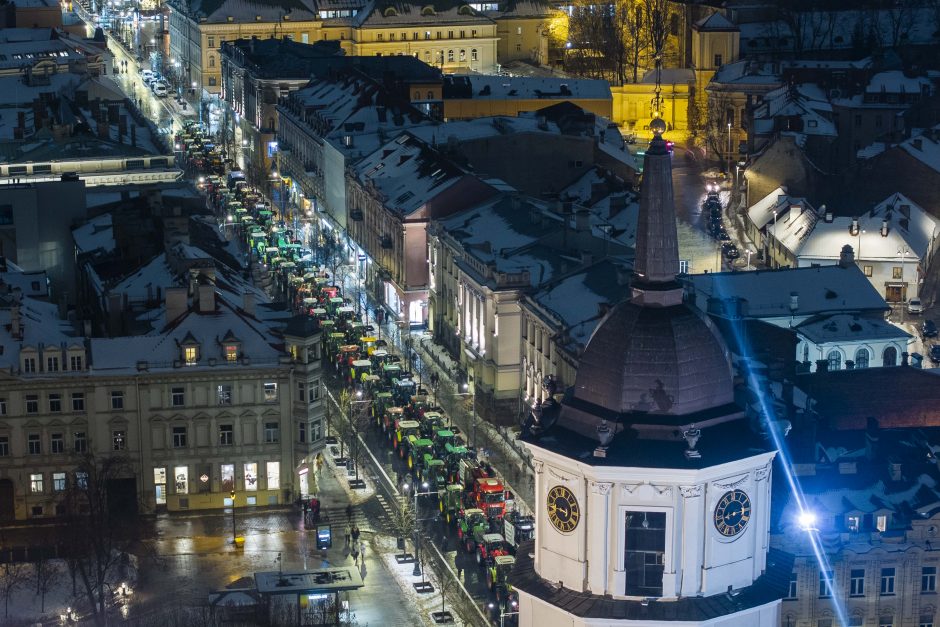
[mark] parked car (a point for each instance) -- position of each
(730, 251)
(928, 328)
(146, 75)
(723, 236)
(935, 353)
(915, 306)
(159, 90)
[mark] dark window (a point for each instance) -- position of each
(718, 60)
(17, 169)
(825, 589)
(179, 437)
(159, 162)
(78, 401)
(644, 553)
(928, 579)
(887, 581)
(32, 404)
(857, 582)
(6, 214)
(117, 400)
(791, 589)
(55, 403)
(271, 432)
(134, 164)
(4, 445)
(81, 444)
(226, 435)
(57, 442)
(43, 168)
(302, 432)
(118, 440)
(177, 397)
(34, 444)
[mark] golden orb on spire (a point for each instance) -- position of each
(658, 126)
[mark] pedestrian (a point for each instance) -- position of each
(362, 550)
(459, 564)
(355, 533)
(349, 511)
(348, 534)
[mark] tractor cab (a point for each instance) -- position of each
(382, 401)
(442, 438)
(431, 422)
(417, 447)
(469, 522)
(367, 342)
(333, 305)
(498, 579)
(354, 329)
(489, 546)
(360, 369)
(402, 390)
(434, 472)
(378, 357)
(391, 419)
(450, 500)
(390, 372)
(403, 431)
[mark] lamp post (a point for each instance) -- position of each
(232, 494)
(473, 411)
(503, 614)
(417, 570)
(729, 147)
(902, 255)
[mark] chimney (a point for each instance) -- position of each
(248, 303)
(794, 302)
(175, 303)
(582, 221)
(16, 327)
(846, 257)
(884, 228)
(206, 299)
(822, 365)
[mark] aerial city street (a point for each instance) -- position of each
(516, 314)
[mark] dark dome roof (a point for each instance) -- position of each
(656, 360)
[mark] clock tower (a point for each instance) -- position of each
(652, 488)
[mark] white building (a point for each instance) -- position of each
(652, 492)
(893, 242)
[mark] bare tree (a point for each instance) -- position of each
(98, 532)
(13, 576)
(358, 420)
(608, 40)
(403, 519)
(656, 16)
(47, 575)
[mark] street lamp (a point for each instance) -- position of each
(234, 538)
(473, 411)
(417, 570)
(729, 147)
(503, 614)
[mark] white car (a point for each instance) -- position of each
(159, 90)
(146, 75)
(915, 306)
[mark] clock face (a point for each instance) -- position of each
(563, 509)
(732, 513)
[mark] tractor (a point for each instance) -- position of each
(498, 576)
(390, 420)
(434, 472)
(517, 529)
(490, 545)
(417, 447)
(488, 494)
(431, 422)
(449, 501)
(383, 400)
(404, 430)
(469, 522)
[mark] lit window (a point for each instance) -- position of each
(791, 589)
(270, 392)
(897, 272)
(224, 392)
(191, 355)
(824, 578)
(881, 522)
(251, 476)
(869, 270)
(35, 483)
(58, 481)
(81, 480)
(852, 523)
(181, 479)
(274, 475)
(231, 352)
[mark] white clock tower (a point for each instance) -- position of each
(652, 489)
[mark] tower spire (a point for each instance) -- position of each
(657, 247)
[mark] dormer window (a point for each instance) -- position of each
(231, 352)
(231, 347)
(191, 355)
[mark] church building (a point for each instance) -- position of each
(652, 487)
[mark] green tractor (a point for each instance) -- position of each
(431, 422)
(383, 400)
(434, 472)
(450, 500)
(402, 390)
(358, 373)
(417, 447)
(470, 523)
(406, 430)
(390, 372)
(442, 439)
(390, 420)
(453, 454)
(497, 576)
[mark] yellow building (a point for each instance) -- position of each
(468, 97)
(633, 103)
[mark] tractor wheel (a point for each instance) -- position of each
(448, 518)
(440, 505)
(411, 463)
(491, 585)
(469, 546)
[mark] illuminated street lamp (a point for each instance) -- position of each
(234, 537)
(417, 570)
(473, 411)
(503, 614)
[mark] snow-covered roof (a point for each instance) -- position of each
(767, 293)
(242, 11)
(910, 228)
(40, 324)
(407, 173)
(925, 148)
(486, 86)
(120, 355)
(848, 328)
(715, 22)
(746, 73)
(95, 235)
(806, 101)
(773, 204)
(404, 13)
(794, 226)
(614, 208)
(895, 82)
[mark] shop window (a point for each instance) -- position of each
(273, 475)
(181, 479)
(251, 477)
(35, 483)
(228, 477)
